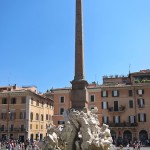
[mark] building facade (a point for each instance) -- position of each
(24, 114)
(123, 103)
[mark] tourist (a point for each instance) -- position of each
(128, 147)
(18, 147)
(134, 146)
(7, 146)
(121, 147)
(25, 144)
(138, 145)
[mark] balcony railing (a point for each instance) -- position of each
(141, 106)
(142, 81)
(14, 129)
(127, 124)
(119, 109)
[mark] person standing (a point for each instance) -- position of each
(139, 146)
(25, 144)
(128, 147)
(134, 145)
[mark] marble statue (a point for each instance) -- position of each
(81, 131)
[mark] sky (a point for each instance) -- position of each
(37, 40)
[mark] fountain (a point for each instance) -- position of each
(80, 132)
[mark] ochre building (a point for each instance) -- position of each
(24, 114)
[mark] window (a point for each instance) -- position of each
(46, 116)
(105, 119)
(22, 127)
(61, 111)
(4, 100)
(92, 98)
(115, 93)
(2, 128)
(47, 104)
(37, 103)
(13, 100)
(140, 92)
(62, 99)
(132, 119)
(130, 92)
(42, 118)
(41, 126)
(23, 100)
(22, 115)
(3, 115)
(130, 103)
(142, 117)
(124, 81)
(36, 126)
(37, 116)
(12, 115)
(30, 126)
(31, 116)
(116, 108)
(61, 122)
(11, 127)
(116, 119)
(104, 93)
(141, 103)
(104, 105)
(42, 104)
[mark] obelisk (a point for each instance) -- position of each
(79, 94)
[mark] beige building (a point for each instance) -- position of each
(24, 113)
(123, 104)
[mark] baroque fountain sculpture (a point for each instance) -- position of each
(80, 132)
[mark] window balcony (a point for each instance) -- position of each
(119, 109)
(14, 129)
(141, 106)
(124, 124)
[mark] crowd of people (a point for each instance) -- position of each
(18, 145)
(136, 146)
